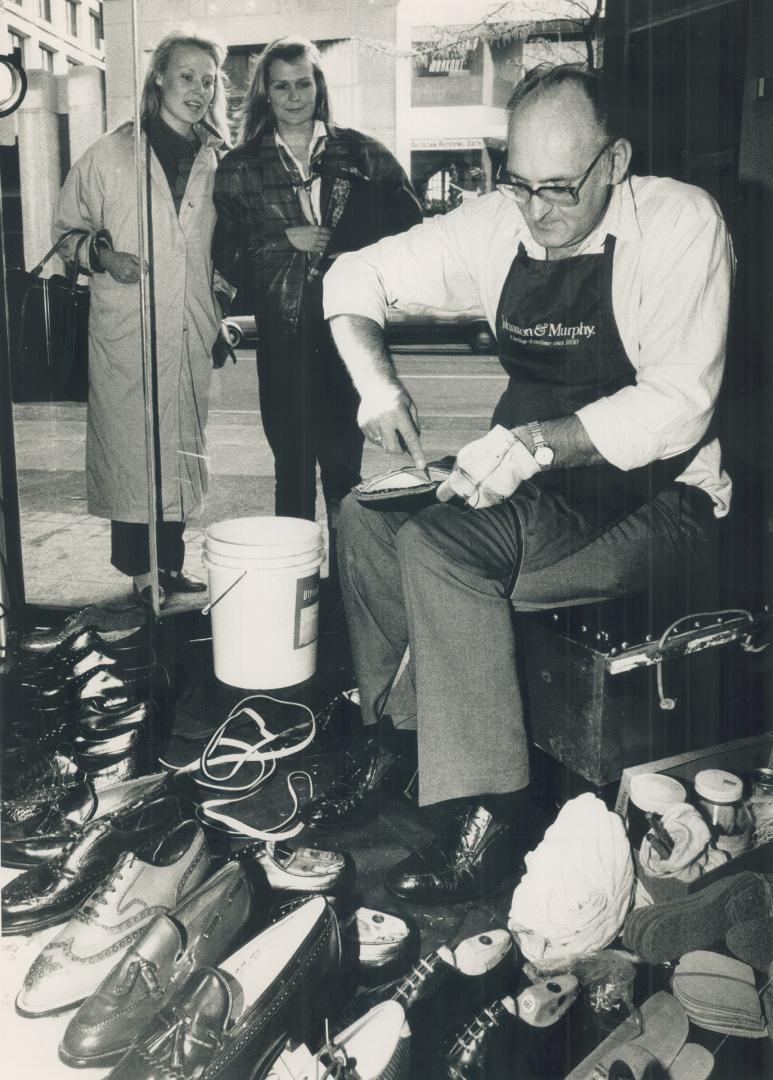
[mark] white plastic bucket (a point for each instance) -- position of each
(264, 600)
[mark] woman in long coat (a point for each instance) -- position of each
(183, 116)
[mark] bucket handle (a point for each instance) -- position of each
(208, 607)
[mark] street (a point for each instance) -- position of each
(66, 552)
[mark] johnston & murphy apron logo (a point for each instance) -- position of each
(550, 334)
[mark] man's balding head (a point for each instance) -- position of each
(558, 125)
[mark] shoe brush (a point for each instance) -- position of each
(545, 1002)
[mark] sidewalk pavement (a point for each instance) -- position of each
(66, 552)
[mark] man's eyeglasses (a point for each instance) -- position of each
(558, 195)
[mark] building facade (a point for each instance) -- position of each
(53, 35)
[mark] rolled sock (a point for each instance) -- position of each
(752, 942)
(664, 931)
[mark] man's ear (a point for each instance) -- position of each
(621, 159)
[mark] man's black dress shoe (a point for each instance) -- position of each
(180, 582)
(231, 1022)
(466, 1059)
(52, 892)
(37, 838)
(477, 857)
(366, 769)
(40, 642)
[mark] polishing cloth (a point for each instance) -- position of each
(692, 856)
(577, 888)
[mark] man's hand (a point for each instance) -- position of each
(489, 470)
(121, 266)
(311, 238)
(388, 416)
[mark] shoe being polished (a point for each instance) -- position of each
(200, 932)
(178, 582)
(51, 893)
(376, 1047)
(40, 642)
(42, 837)
(231, 1022)
(141, 886)
(365, 773)
(477, 857)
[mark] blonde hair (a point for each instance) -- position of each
(159, 61)
(256, 115)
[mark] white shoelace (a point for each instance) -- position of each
(241, 753)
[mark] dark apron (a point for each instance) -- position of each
(560, 346)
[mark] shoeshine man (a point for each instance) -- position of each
(609, 295)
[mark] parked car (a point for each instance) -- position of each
(405, 326)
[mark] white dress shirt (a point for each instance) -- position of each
(310, 202)
(671, 284)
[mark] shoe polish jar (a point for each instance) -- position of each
(720, 800)
(651, 793)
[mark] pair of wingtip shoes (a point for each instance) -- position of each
(51, 892)
(72, 965)
(39, 831)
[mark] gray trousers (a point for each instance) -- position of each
(446, 581)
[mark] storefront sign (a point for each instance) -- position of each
(447, 144)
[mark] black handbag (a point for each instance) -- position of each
(50, 362)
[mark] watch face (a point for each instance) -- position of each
(543, 455)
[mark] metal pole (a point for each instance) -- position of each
(145, 302)
(12, 598)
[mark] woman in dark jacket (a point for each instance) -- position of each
(295, 192)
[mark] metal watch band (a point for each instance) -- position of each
(543, 452)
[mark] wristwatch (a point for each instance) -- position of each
(543, 454)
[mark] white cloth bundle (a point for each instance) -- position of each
(692, 855)
(577, 888)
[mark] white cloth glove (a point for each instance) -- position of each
(489, 470)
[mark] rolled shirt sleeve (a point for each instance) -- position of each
(432, 266)
(675, 330)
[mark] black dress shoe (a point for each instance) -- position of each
(477, 857)
(182, 583)
(51, 893)
(40, 642)
(144, 597)
(466, 1059)
(481, 960)
(365, 772)
(38, 839)
(232, 1022)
